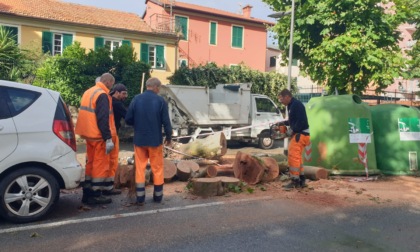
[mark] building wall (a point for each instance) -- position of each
(197, 50)
(30, 37)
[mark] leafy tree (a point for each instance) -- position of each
(210, 75)
(10, 56)
(414, 63)
(345, 45)
(75, 71)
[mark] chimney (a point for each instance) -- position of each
(246, 11)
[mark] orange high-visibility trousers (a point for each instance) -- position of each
(113, 164)
(97, 165)
(142, 155)
(295, 154)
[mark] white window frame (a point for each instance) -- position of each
(54, 51)
(243, 36)
(19, 38)
(217, 28)
(57, 32)
(154, 44)
(112, 41)
(180, 62)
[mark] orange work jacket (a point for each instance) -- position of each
(86, 125)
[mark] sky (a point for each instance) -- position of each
(260, 9)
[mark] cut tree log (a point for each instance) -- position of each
(213, 146)
(124, 176)
(207, 187)
(186, 169)
(169, 170)
(272, 169)
(315, 173)
(247, 168)
(281, 161)
(219, 170)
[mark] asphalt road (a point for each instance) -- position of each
(247, 222)
(253, 224)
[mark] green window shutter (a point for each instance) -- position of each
(160, 57)
(47, 41)
(144, 52)
(126, 42)
(237, 33)
(99, 42)
(13, 31)
(182, 24)
(213, 28)
(67, 40)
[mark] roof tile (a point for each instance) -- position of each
(56, 10)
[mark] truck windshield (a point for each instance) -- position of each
(265, 105)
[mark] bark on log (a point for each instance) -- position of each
(169, 170)
(315, 173)
(219, 170)
(124, 176)
(207, 187)
(228, 182)
(272, 169)
(213, 146)
(217, 186)
(247, 168)
(186, 169)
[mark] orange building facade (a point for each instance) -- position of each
(211, 35)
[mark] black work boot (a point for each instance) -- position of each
(294, 183)
(98, 200)
(302, 181)
(111, 192)
(86, 194)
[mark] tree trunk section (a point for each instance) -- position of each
(213, 146)
(169, 170)
(247, 168)
(186, 169)
(315, 173)
(207, 187)
(272, 169)
(124, 176)
(219, 170)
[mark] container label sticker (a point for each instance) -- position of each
(359, 130)
(409, 129)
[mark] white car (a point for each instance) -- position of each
(37, 151)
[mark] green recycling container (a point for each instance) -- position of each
(397, 138)
(341, 135)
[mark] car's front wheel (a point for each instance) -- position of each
(27, 194)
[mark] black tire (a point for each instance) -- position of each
(265, 143)
(21, 205)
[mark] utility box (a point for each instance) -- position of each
(342, 139)
(397, 138)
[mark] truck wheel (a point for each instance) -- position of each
(265, 143)
(27, 194)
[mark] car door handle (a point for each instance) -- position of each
(1, 127)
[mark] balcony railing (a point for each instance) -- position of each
(162, 23)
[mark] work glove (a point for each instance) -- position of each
(297, 137)
(109, 146)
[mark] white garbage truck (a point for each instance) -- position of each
(232, 108)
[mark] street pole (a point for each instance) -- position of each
(289, 74)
